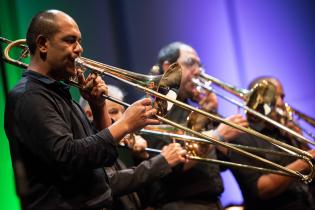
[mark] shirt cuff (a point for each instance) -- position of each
(162, 164)
(215, 134)
(107, 136)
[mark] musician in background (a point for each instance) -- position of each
(124, 181)
(193, 185)
(271, 191)
(280, 113)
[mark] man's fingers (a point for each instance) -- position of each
(182, 156)
(150, 113)
(81, 78)
(98, 80)
(90, 81)
(245, 124)
(146, 102)
(148, 108)
(152, 122)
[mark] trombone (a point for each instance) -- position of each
(192, 143)
(192, 139)
(300, 114)
(157, 86)
(250, 96)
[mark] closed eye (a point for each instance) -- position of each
(71, 39)
(113, 111)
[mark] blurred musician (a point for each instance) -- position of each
(124, 181)
(193, 185)
(271, 191)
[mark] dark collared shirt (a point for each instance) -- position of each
(58, 158)
(202, 183)
(124, 182)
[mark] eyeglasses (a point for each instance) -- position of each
(191, 63)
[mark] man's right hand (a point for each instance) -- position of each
(228, 132)
(139, 115)
(174, 154)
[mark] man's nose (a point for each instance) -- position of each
(197, 71)
(78, 49)
(280, 102)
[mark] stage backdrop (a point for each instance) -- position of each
(236, 40)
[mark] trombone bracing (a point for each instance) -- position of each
(157, 86)
(188, 138)
(300, 114)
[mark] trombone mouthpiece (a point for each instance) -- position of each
(78, 61)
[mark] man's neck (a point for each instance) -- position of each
(42, 68)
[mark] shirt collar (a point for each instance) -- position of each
(44, 79)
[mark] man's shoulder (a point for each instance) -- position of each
(26, 89)
(26, 84)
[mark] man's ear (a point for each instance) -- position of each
(165, 66)
(41, 43)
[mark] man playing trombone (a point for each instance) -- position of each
(194, 185)
(58, 157)
(271, 191)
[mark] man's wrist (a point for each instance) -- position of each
(217, 135)
(97, 106)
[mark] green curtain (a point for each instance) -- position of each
(8, 28)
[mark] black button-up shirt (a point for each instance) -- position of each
(58, 157)
(200, 183)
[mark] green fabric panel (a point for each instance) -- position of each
(8, 29)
